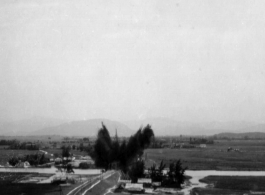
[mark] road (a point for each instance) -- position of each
(90, 184)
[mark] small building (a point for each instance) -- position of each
(76, 163)
(85, 158)
(202, 145)
(23, 164)
(134, 187)
(58, 160)
(144, 180)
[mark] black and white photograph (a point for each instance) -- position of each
(121, 97)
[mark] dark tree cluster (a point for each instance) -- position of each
(66, 151)
(173, 178)
(201, 141)
(33, 159)
(23, 146)
(108, 152)
(4, 142)
(136, 170)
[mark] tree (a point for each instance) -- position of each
(157, 173)
(106, 151)
(123, 156)
(81, 147)
(136, 170)
(33, 159)
(137, 143)
(73, 147)
(115, 150)
(86, 139)
(66, 151)
(102, 148)
(176, 175)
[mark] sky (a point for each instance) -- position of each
(189, 60)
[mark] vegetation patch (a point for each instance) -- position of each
(253, 183)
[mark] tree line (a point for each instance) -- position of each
(4, 142)
(24, 146)
(174, 177)
(33, 159)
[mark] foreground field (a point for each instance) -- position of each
(10, 188)
(251, 156)
(232, 185)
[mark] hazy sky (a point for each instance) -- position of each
(193, 60)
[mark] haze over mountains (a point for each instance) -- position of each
(166, 126)
(248, 135)
(24, 127)
(85, 128)
(161, 127)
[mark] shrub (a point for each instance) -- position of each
(84, 165)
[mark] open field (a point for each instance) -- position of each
(251, 156)
(232, 185)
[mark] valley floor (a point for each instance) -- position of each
(249, 157)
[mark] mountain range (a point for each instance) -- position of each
(161, 127)
(27, 126)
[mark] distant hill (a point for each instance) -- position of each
(253, 128)
(169, 127)
(86, 128)
(166, 126)
(248, 135)
(24, 127)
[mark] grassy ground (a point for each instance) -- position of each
(7, 186)
(254, 183)
(231, 185)
(10, 188)
(216, 157)
(208, 191)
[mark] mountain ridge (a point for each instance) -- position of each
(162, 127)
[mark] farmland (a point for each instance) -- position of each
(6, 154)
(250, 156)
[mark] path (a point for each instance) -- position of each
(90, 183)
(113, 187)
(104, 186)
